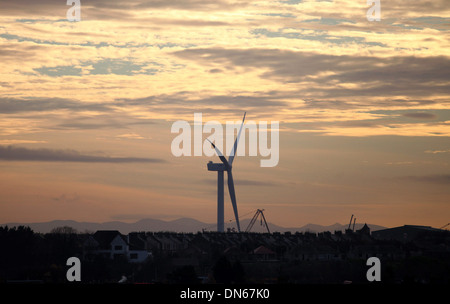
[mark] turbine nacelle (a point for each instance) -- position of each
(216, 166)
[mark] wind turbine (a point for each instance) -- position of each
(226, 165)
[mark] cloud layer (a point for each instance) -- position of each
(12, 153)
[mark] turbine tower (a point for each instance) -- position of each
(226, 165)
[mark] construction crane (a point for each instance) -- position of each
(255, 217)
(349, 224)
(349, 228)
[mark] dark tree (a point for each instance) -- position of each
(238, 272)
(16, 256)
(222, 271)
(184, 275)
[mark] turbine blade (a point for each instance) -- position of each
(234, 151)
(222, 158)
(233, 198)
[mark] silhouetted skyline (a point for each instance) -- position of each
(86, 109)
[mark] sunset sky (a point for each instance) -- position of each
(86, 109)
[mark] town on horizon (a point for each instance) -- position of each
(108, 256)
(225, 142)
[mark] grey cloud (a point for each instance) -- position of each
(67, 198)
(435, 179)
(12, 153)
(420, 115)
(213, 71)
(360, 124)
(295, 65)
(47, 110)
(186, 101)
(205, 5)
(241, 101)
(406, 102)
(329, 104)
(408, 75)
(15, 105)
(109, 117)
(11, 53)
(104, 121)
(397, 8)
(76, 125)
(50, 8)
(395, 71)
(298, 65)
(106, 9)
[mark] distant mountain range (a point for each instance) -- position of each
(178, 225)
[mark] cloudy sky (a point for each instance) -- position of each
(86, 109)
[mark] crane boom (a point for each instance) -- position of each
(255, 217)
(265, 222)
(444, 226)
(252, 222)
(349, 224)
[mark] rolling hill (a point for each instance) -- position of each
(178, 225)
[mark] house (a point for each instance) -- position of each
(137, 247)
(107, 243)
(263, 253)
(112, 244)
(166, 242)
(234, 253)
